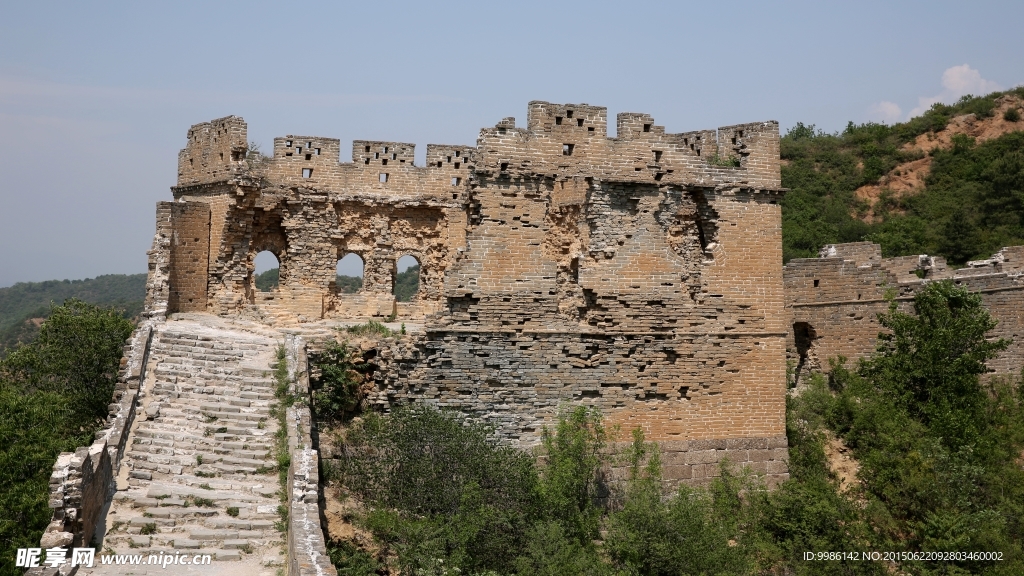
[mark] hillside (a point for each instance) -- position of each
(25, 305)
(949, 182)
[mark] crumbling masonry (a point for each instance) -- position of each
(639, 274)
(833, 302)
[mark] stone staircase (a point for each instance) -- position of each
(199, 474)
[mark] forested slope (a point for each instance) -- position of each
(949, 182)
(24, 305)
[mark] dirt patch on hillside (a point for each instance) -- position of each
(908, 178)
(841, 462)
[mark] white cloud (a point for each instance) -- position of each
(887, 112)
(956, 82)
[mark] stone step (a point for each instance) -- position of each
(158, 490)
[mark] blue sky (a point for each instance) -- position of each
(96, 99)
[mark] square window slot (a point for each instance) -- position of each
(567, 149)
(568, 113)
(579, 121)
(440, 163)
(558, 120)
(309, 156)
(376, 155)
(316, 151)
(504, 166)
(456, 164)
(456, 181)
(816, 283)
(367, 148)
(384, 162)
(647, 127)
(590, 128)
(457, 153)
(657, 155)
(288, 144)
(383, 177)
(307, 172)
(298, 149)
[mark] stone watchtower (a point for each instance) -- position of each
(639, 274)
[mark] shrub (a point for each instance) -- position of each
(441, 489)
(371, 328)
(570, 477)
(1011, 115)
(54, 394)
(688, 533)
(336, 391)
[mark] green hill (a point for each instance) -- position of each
(972, 202)
(25, 301)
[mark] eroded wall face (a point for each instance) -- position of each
(833, 302)
(189, 257)
(638, 274)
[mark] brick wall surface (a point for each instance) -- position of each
(833, 302)
(639, 274)
(189, 256)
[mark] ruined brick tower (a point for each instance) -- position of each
(641, 274)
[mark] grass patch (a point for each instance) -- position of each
(148, 529)
(232, 511)
(371, 328)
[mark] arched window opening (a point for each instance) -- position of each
(267, 271)
(407, 278)
(350, 274)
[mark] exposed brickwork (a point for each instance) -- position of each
(639, 274)
(190, 254)
(834, 301)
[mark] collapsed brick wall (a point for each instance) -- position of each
(833, 302)
(639, 274)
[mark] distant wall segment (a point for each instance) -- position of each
(833, 301)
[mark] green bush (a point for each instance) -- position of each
(1011, 115)
(54, 394)
(441, 490)
(571, 479)
(336, 390)
(371, 328)
(936, 448)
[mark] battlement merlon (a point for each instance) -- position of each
(214, 150)
(560, 140)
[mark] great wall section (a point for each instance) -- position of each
(640, 274)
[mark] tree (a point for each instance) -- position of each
(929, 362)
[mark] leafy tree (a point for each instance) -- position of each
(570, 478)
(929, 362)
(54, 393)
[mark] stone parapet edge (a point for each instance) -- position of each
(307, 549)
